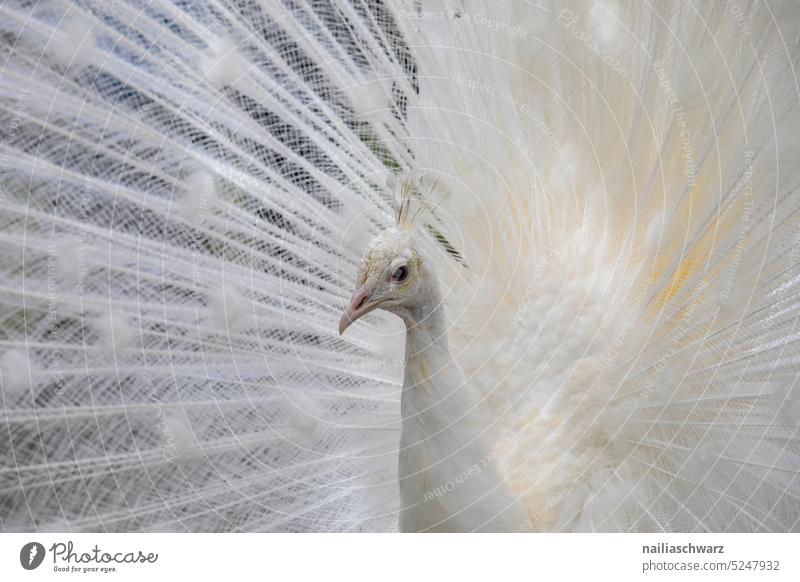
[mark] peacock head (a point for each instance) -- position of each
(391, 277)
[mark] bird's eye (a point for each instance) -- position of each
(400, 274)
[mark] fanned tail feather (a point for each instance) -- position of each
(630, 221)
(186, 190)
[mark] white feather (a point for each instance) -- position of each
(74, 44)
(607, 197)
(227, 307)
(198, 198)
(223, 64)
(15, 371)
(115, 330)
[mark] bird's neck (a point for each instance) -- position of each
(430, 371)
(446, 483)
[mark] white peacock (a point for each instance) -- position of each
(597, 262)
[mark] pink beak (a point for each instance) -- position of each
(359, 306)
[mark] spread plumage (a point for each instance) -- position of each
(585, 215)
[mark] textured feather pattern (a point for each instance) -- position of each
(630, 225)
(610, 203)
